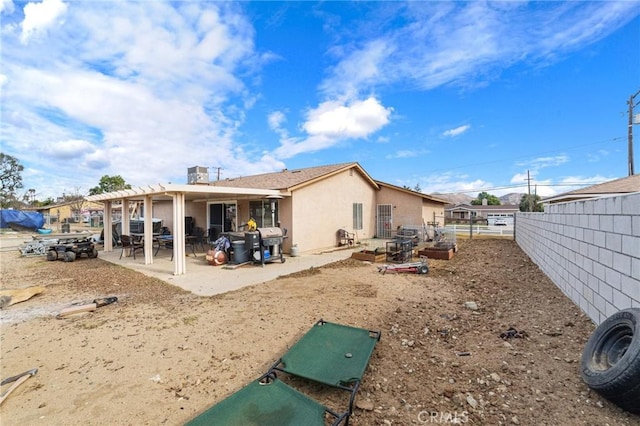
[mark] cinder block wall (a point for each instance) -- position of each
(589, 249)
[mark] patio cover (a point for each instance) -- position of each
(178, 194)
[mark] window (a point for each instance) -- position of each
(357, 216)
(261, 212)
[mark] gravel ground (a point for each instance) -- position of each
(161, 355)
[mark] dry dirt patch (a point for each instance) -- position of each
(161, 355)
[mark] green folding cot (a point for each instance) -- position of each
(331, 354)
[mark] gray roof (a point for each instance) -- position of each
(291, 179)
(618, 186)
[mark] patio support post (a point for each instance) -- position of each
(125, 217)
(107, 223)
(148, 230)
(179, 262)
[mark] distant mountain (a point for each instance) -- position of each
(454, 198)
(511, 198)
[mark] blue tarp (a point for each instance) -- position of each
(17, 219)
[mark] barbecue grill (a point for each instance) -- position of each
(265, 244)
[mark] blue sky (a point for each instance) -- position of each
(450, 96)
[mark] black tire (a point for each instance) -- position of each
(69, 256)
(611, 360)
(423, 269)
(52, 255)
(93, 254)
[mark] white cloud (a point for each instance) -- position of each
(466, 43)
(68, 149)
(39, 17)
(402, 154)
(153, 85)
(6, 6)
(457, 131)
(356, 119)
(544, 162)
(332, 122)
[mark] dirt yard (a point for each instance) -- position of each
(161, 355)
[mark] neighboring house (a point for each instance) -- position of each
(71, 211)
(311, 203)
(625, 185)
(489, 213)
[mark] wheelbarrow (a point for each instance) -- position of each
(420, 267)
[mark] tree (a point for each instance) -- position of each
(530, 203)
(492, 200)
(11, 179)
(109, 184)
(75, 200)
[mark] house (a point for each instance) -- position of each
(463, 212)
(625, 185)
(71, 211)
(312, 204)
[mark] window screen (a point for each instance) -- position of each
(357, 216)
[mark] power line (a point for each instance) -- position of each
(521, 185)
(571, 148)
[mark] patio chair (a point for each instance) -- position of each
(130, 243)
(199, 234)
(331, 354)
(345, 238)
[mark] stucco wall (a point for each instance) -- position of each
(407, 208)
(590, 249)
(320, 209)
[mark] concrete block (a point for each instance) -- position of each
(599, 302)
(599, 237)
(587, 294)
(613, 205)
(622, 263)
(593, 313)
(599, 206)
(621, 300)
(606, 223)
(611, 309)
(583, 220)
(605, 290)
(587, 265)
(631, 287)
(605, 257)
(635, 226)
(622, 224)
(613, 278)
(630, 204)
(631, 245)
(613, 242)
(598, 270)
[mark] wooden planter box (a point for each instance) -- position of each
(369, 255)
(437, 253)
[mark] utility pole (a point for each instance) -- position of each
(218, 171)
(631, 105)
(529, 191)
